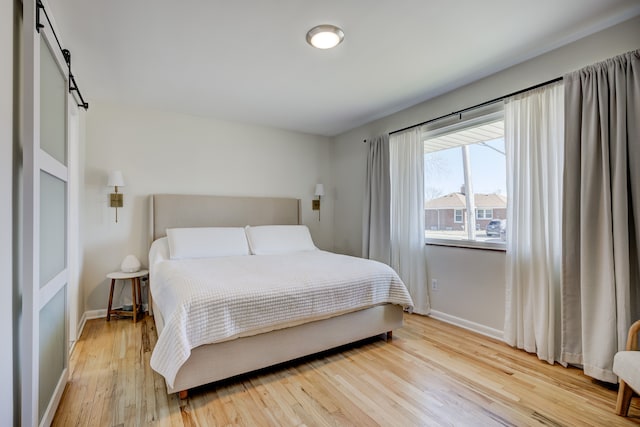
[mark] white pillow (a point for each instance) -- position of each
(206, 242)
(279, 239)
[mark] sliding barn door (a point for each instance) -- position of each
(44, 352)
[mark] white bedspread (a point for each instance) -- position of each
(210, 300)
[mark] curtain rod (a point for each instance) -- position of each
(464, 110)
(66, 54)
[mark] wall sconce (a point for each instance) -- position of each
(115, 199)
(315, 204)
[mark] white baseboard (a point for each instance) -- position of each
(83, 320)
(468, 324)
(95, 314)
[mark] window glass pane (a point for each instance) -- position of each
(444, 177)
(53, 347)
(53, 226)
(53, 94)
(489, 178)
(446, 199)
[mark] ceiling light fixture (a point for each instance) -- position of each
(325, 36)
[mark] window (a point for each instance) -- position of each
(457, 214)
(484, 213)
(465, 181)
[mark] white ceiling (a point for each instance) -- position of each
(248, 61)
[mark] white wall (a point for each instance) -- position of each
(6, 209)
(474, 293)
(161, 152)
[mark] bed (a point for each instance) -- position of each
(190, 355)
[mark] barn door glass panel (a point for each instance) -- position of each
(53, 93)
(52, 348)
(53, 230)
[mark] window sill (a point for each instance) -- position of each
(468, 244)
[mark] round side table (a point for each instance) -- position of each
(135, 293)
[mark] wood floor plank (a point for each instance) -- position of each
(274, 387)
(430, 374)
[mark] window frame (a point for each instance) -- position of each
(451, 124)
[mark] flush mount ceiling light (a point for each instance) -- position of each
(325, 36)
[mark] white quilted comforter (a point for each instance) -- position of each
(210, 300)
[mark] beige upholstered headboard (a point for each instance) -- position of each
(183, 210)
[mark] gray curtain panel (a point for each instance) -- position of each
(601, 212)
(376, 221)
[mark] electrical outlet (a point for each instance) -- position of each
(434, 284)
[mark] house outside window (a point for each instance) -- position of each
(465, 180)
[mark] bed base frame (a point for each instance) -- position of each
(215, 362)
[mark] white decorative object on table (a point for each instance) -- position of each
(130, 264)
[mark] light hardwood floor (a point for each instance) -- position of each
(431, 374)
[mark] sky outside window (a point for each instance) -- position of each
(444, 170)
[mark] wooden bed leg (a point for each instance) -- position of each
(183, 394)
(389, 335)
